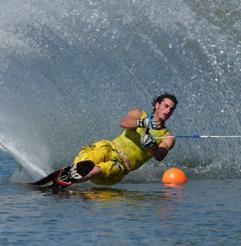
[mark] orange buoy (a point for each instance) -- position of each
(174, 175)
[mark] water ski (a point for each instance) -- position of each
(61, 178)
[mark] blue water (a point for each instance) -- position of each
(200, 212)
(69, 70)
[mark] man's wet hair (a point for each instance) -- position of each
(160, 98)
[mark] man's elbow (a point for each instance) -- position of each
(123, 125)
(160, 158)
(161, 154)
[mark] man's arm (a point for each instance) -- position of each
(160, 152)
(129, 121)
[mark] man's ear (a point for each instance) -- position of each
(157, 105)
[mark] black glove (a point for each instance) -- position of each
(148, 141)
(148, 123)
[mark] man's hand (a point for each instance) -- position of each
(148, 123)
(148, 141)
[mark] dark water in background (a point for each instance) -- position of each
(69, 70)
(201, 212)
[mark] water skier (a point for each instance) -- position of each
(139, 141)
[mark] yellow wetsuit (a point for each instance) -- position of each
(119, 156)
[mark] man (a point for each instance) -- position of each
(140, 140)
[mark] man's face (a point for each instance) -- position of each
(164, 109)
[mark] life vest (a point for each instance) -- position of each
(129, 143)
